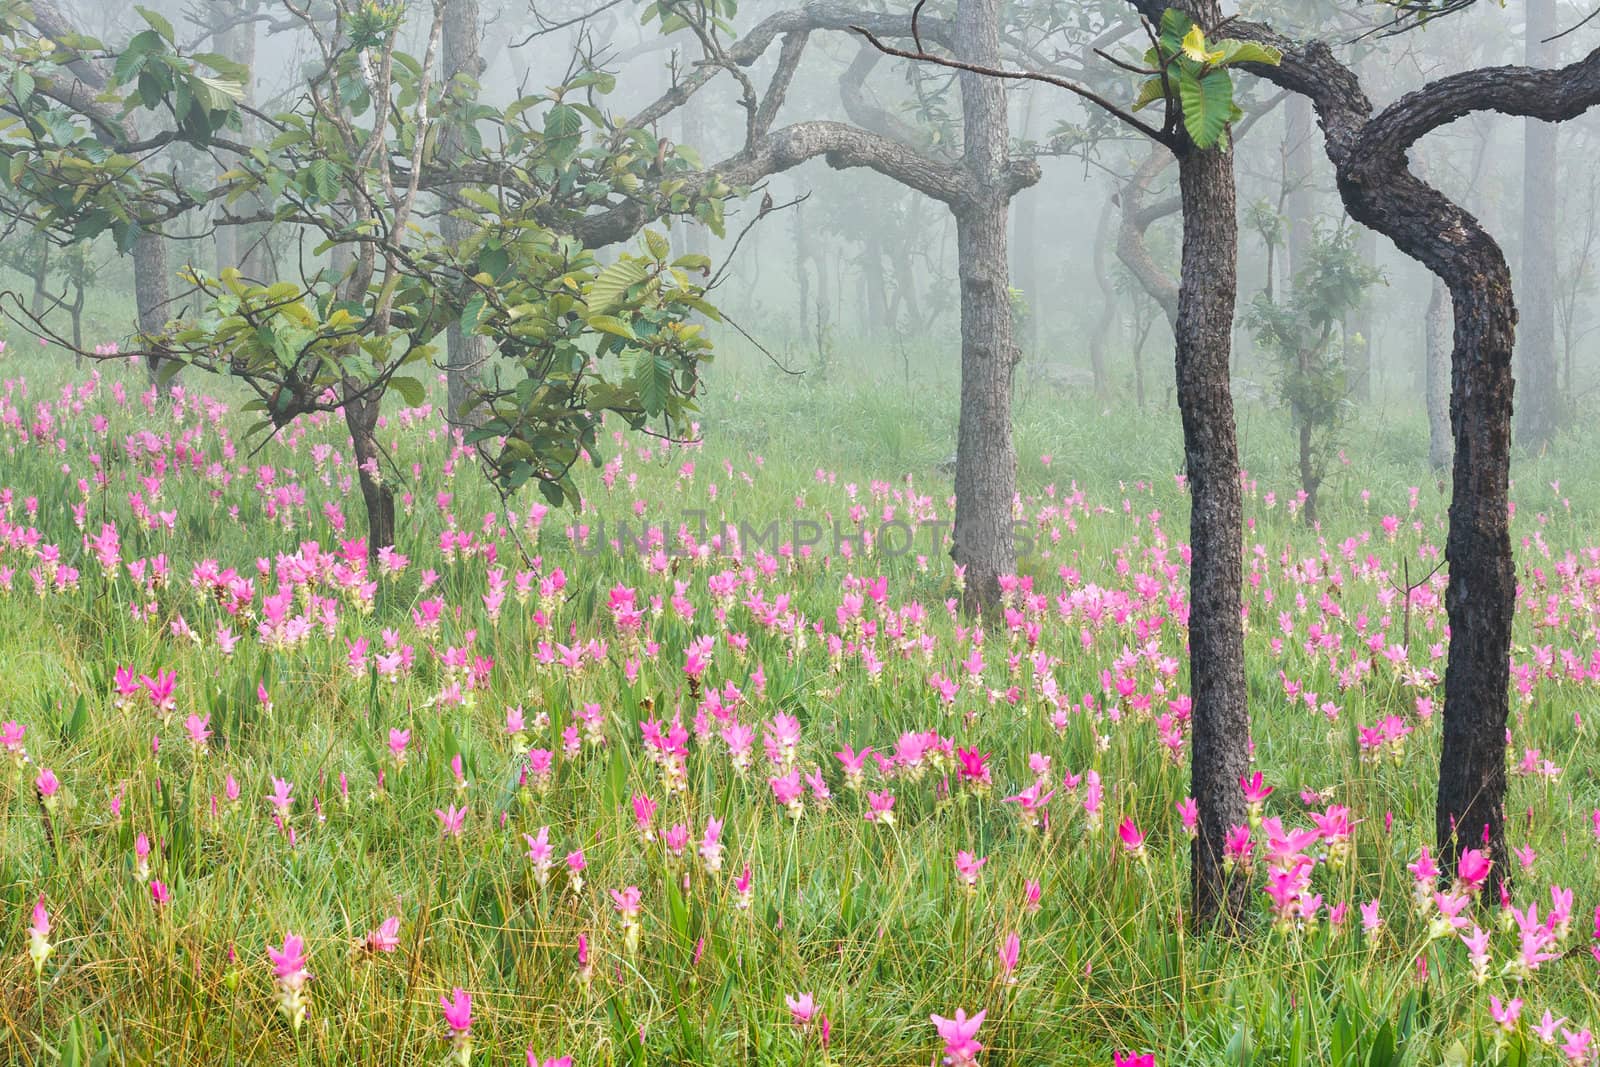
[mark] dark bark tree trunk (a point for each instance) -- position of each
(1438, 327)
(1026, 254)
(986, 464)
(361, 419)
(466, 353)
(1380, 191)
(1539, 415)
(1204, 330)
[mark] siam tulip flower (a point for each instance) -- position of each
(517, 729)
(280, 797)
(628, 904)
(452, 820)
(458, 1017)
(1526, 856)
(711, 845)
(1371, 921)
(11, 734)
(1133, 1059)
(585, 967)
(853, 763)
(39, 947)
(385, 937)
(48, 787)
(1578, 1047)
(1132, 838)
(1477, 944)
(644, 813)
(973, 767)
(1472, 870)
(1505, 1015)
(1189, 814)
(1237, 848)
(676, 839)
(542, 855)
(553, 1061)
(1545, 1028)
(959, 1034)
(1031, 894)
(159, 893)
(1425, 873)
(1255, 795)
(1334, 826)
(1093, 794)
(880, 808)
(801, 1009)
(968, 868)
(576, 862)
(1030, 804)
(290, 977)
(789, 791)
(741, 888)
(398, 740)
(199, 729)
(1010, 950)
(141, 858)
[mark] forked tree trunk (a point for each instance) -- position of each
(1221, 724)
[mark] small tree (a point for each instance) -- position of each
(346, 164)
(1302, 336)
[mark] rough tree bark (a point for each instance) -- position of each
(1219, 753)
(986, 463)
(1539, 414)
(1437, 328)
(465, 353)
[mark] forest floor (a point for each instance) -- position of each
(613, 785)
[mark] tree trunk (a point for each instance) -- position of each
(1381, 192)
(1436, 376)
(466, 353)
(361, 419)
(872, 280)
(986, 465)
(1136, 218)
(1221, 724)
(1299, 199)
(1540, 413)
(1357, 335)
(1026, 253)
(41, 279)
(1107, 315)
(240, 246)
(151, 290)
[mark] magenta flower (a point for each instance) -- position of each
(385, 937)
(1473, 869)
(1189, 813)
(959, 1034)
(880, 808)
(290, 977)
(451, 820)
(968, 867)
(1009, 952)
(801, 1008)
(199, 729)
(1133, 1059)
(1132, 838)
(159, 893)
(457, 1010)
(39, 947)
(48, 785)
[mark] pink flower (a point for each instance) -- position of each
(457, 1010)
(39, 946)
(1133, 1059)
(385, 937)
(47, 784)
(1132, 839)
(1031, 894)
(1009, 952)
(1473, 869)
(289, 977)
(1189, 813)
(968, 868)
(880, 807)
(961, 1047)
(801, 1008)
(1505, 1015)
(159, 893)
(451, 820)
(553, 1061)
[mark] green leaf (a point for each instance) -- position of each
(1149, 93)
(1207, 105)
(612, 325)
(659, 246)
(410, 390)
(156, 21)
(472, 313)
(607, 290)
(22, 86)
(1233, 52)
